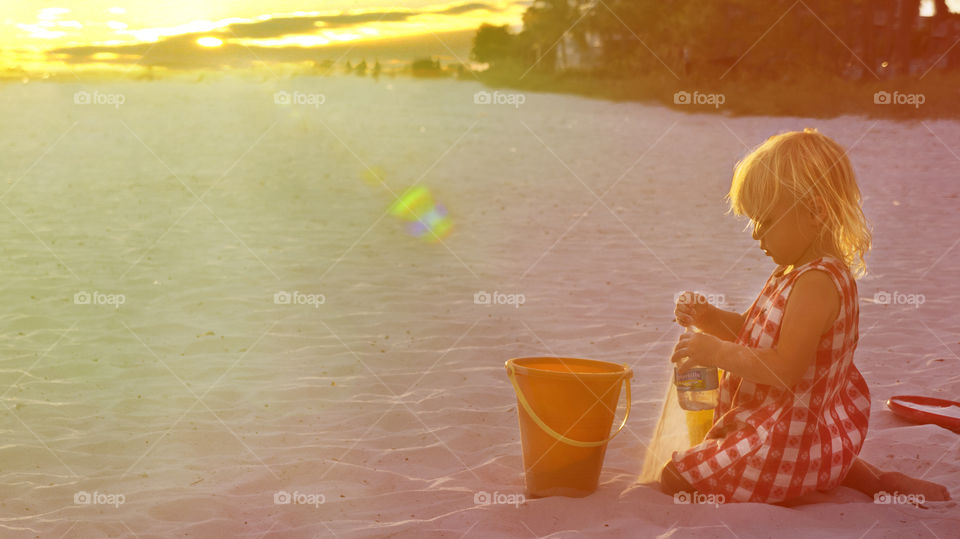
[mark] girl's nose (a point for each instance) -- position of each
(756, 234)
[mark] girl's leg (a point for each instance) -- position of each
(869, 480)
(671, 482)
(863, 477)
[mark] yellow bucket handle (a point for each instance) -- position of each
(546, 428)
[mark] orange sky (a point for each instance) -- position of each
(40, 36)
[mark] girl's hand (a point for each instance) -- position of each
(692, 309)
(696, 350)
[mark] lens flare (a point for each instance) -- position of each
(425, 219)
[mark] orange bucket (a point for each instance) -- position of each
(566, 408)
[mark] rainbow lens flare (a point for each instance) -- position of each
(425, 219)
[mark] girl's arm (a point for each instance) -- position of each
(692, 309)
(813, 305)
(722, 324)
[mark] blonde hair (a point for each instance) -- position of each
(806, 167)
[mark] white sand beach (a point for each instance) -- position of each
(184, 410)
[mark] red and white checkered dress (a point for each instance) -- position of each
(769, 444)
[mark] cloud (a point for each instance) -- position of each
(181, 51)
(285, 26)
(465, 8)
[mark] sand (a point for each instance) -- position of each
(190, 408)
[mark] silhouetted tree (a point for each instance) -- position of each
(544, 24)
(426, 67)
(324, 68)
(494, 45)
(637, 35)
(741, 39)
(906, 19)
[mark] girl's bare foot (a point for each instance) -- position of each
(891, 482)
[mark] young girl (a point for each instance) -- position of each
(793, 407)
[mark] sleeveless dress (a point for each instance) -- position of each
(770, 444)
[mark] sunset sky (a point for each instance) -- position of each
(40, 36)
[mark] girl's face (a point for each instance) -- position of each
(788, 233)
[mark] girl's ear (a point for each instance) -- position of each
(819, 209)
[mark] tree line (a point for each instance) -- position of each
(772, 40)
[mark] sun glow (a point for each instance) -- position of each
(61, 39)
(209, 42)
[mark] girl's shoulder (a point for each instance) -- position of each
(780, 283)
(831, 264)
(836, 269)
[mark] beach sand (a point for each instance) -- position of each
(385, 410)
